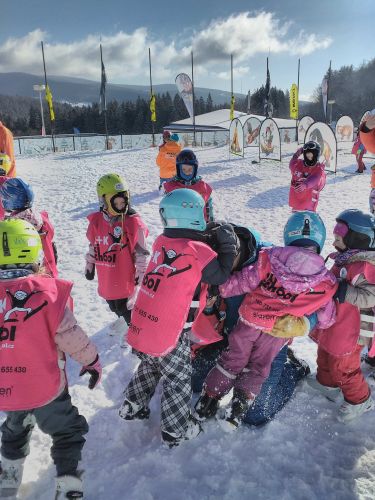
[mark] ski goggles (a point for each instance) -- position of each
(310, 146)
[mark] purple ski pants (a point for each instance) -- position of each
(245, 364)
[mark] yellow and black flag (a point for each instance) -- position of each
(153, 107)
(232, 101)
(50, 103)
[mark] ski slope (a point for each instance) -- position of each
(303, 454)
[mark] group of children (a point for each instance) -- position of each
(286, 291)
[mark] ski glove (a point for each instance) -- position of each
(341, 291)
(95, 370)
(299, 188)
(227, 239)
(90, 266)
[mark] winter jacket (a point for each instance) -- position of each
(367, 137)
(6, 146)
(358, 148)
(166, 159)
(284, 280)
(356, 300)
(197, 185)
(38, 330)
(314, 178)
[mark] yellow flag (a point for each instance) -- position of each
(293, 102)
(232, 100)
(153, 108)
(50, 103)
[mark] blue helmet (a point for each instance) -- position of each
(183, 209)
(361, 234)
(16, 194)
(305, 229)
(186, 157)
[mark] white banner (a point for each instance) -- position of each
(251, 129)
(303, 124)
(323, 134)
(345, 129)
(185, 89)
(236, 138)
(269, 144)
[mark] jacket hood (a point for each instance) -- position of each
(298, 269)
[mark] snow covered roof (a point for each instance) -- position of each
(219, 120)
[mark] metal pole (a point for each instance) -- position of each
(328, 84)
(41, 112)
(192, 83)
(46, 83)
(152, 123)
(299, 62)
(231, 80)
(105, 104)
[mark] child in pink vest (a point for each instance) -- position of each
(17, 198)
(117, 249)
(290, 280)
(339, 348)
(167, 303)
(186, 177)
(37, 331)
(308, 178)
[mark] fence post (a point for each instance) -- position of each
(74, 144)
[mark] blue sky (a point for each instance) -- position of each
(316, 31)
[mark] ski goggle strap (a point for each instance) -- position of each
(341, 229)
(310, 146)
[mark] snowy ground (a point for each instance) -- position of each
(303, 454)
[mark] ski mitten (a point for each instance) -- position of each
(90, 264)
(95, 371)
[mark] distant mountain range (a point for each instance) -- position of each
(81, 91)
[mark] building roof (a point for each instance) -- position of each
(219, 120)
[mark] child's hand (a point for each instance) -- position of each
(95, 370)
(90, 267)
(299, 188)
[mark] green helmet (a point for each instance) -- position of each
(111, 184)
(20, 243)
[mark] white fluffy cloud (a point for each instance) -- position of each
(126, 54)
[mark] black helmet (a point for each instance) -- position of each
(314, 148)
(186, 157)
(361, 233)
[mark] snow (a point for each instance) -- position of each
(303, 454)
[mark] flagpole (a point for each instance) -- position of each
(328, 83)
(299, 62)
(267, 97)
(231, 86)
(192, 83)
(151, 92)
(105, 103)
(46, 84)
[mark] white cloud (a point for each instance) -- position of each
(126, 54)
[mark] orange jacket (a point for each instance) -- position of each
(373, 177)
(6, 146)
(166, 159)
(368, 139)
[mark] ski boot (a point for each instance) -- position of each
(133, 411)
(300, 364)
(349, 412)
(206, 406)
(11, 477)
(235, 414)
(68, 487)
(193, 430)
(333, 394)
